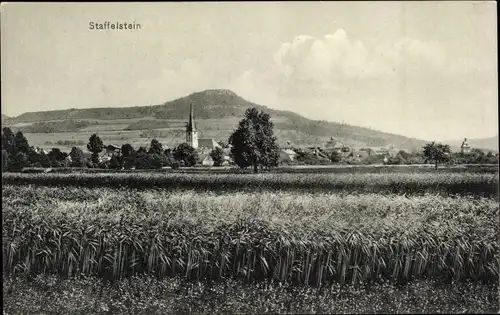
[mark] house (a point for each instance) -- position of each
(465, 147)
(112, 149)
(207, 145)
(377, 150)
(337, 146)
(287, 155)
(40, 151)
(207, 161)
(360, 155)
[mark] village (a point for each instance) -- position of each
(332, 151)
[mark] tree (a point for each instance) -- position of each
(128, 156)
(17, 161)
(155, 161)
(77, 157)
(141, 159)
(186, 153)
(22, 143)
(253, 142)
(8, 142)
(438, 153)
(217, 155)
(116, 162)
(223, 144)
(5, 159)
(156, 147)
(169, 157)
(335, 157)
(95, 146)
(57, 157)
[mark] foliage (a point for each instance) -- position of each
(156, 147)
(148, 295)
(57, 158)
(438, 153)
(335, 157)
(169, 157)
(253, 143)
(67, 125)
(116, 162)
(217, 156)
(476, 156)
(95, 146)
(77, 157)
(186, 153)
(8, 140)
(5, 160)
(309, 158)
(22, 144)
(68, 143)
(128, 155)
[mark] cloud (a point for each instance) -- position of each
(336, 56)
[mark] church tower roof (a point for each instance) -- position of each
(191, 124)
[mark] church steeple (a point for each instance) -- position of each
(191, 133)
(191, 125)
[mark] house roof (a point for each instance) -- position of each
(112, 146)
(208, 143)
(289, 152)
(332, 144)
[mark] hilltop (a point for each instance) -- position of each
(216, 112)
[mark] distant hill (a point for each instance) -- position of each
(5, 119)
(216, 113)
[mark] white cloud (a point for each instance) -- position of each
(335, 55)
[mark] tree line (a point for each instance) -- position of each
(253, 144)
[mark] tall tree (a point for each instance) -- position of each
(128, 155)
(217, 155)
(253, 142)
(436, 152)
(22, 144)
(57, 157)
(185, 152)
(169, 157)
(8, 140)
(95, 146)
(156, 147)
(116, 162)
(77, 157)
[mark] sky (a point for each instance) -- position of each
(421, 69)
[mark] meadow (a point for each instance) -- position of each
(343, 242)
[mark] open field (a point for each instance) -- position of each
(421, 241)
(465, 183)
(285, 236)
(303, 169)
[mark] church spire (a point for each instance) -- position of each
(191, 125)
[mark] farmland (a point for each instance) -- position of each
(282, 231)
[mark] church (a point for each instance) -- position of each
(204, 145)
(192, 136)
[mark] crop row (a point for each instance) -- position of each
(396, 183)
(287, 237)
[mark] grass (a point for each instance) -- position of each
(465, 183)
(296, 238)
(147, 295)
